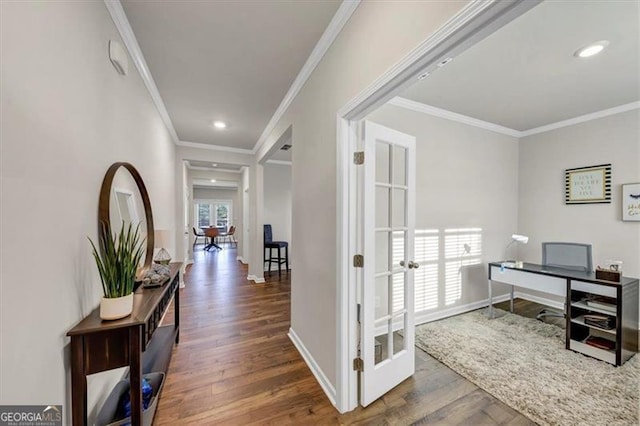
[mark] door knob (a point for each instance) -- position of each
(411, 265)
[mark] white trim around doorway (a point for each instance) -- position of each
(471, 24)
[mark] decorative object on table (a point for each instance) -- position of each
(631, 202)
(117, 259)
(608, 274)
(553, 387)
(516, 238)
(161, 240)
(588, 185)
(157, 276)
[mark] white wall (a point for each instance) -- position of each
(466, 177)
(544, 216)
(376, 36)
(243, 248)
(66, 116)
(277, 204)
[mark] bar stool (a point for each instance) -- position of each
(270, 244)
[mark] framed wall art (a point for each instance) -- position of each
(588, 185)
(631, 202)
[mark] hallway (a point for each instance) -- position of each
(235, 364)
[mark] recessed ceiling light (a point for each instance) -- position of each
(215, 164)
(591, 49)
(424, 75)
(219, 124)
(213, 181)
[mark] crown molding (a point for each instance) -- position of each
(453, 116)
(460, 118)
(128, 37)
(582, 119)
(210, 147)
(213, 170)
(279, 162)
(418, 59)
(338, 21)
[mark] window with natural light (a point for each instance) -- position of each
(462, 247)
(442, 257)
(212, 213)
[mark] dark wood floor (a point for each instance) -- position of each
(235, 365)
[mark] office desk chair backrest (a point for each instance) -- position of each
(571, 256)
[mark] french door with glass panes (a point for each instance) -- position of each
(387, 188)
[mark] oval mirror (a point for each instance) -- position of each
(124, 200)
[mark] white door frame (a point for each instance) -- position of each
(471, 24)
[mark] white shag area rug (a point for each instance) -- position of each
(523, 362)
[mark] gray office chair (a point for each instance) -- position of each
(571, 256)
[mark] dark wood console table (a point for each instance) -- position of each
(98, 345)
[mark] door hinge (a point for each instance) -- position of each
(358, 158)
(358, 364)
(358, 261)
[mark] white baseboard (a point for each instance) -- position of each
(325, 384)
(183, 270)
(423, 317)
(256, 279)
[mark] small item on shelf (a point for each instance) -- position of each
(600, 343)
(605, 322)
(605, 303)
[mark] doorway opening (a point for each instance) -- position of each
(367, 318)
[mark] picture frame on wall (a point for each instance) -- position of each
(631, 202)
(588, 185)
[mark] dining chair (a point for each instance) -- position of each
(231, 236)
(198, 235)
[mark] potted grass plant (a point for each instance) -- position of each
(117, 258)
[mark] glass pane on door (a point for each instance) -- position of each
(399, 165)
(382, 162)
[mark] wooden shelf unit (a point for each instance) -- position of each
(98, 345)
(624, 297)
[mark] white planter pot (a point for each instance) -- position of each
(116, 308)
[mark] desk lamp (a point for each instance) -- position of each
(516, 238)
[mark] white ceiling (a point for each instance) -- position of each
(226, 60)
(219, 167)
(525, 75)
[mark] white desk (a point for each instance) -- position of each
(574, 287)
(531, 276)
